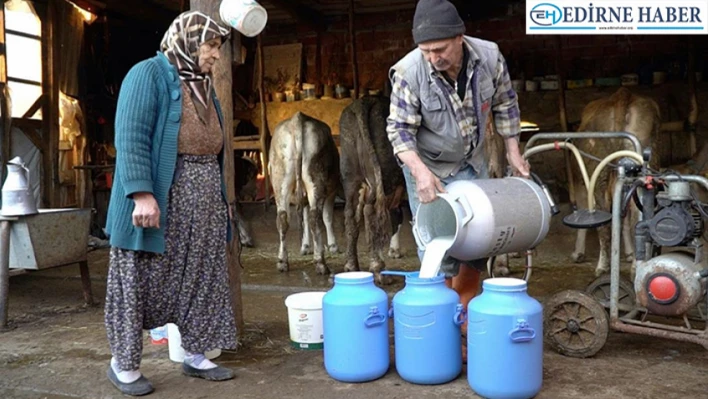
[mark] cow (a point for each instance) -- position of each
(373, 182)
(246, 176)
(304, 170)
(623, 111)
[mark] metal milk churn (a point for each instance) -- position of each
(17, 198)
(486, 217)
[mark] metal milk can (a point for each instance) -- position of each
(17, 198)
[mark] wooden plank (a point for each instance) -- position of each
(6, 133)
(254, 145)
(223, 83)
(50, 113)
(301, 14)
(35, 107)
(352, 43)
(265, 135)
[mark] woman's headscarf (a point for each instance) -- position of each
(181, 44)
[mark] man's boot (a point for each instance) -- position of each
(466, 284)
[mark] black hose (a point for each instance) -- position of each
(632, 194)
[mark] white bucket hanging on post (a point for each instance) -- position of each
(246, 16)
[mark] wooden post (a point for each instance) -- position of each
(50, 114)
(352, 43)
(693, 101)
(223, 82)
(564, 120)
(6, 133)
(264, 133)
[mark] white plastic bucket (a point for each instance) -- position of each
(305, 320)
(246, 16)
(174, 343)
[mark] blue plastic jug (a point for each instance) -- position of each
(505, 341)
(355, 327)
(426, 317)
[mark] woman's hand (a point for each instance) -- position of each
(146, 213)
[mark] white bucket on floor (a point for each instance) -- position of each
(246, 16)
(305, 320)
(174, 343)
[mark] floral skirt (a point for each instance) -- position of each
(188, 285)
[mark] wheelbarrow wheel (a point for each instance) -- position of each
(600, 290)
(575, 324)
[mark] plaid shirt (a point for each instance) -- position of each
(404, 118)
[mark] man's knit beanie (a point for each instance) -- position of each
(435, 20)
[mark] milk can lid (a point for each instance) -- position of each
(506, 284)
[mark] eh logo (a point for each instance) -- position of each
(546, 14)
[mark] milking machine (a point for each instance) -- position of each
(667, 298)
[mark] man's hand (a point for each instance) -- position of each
(146, 213)
(519, 166)
(427, 184)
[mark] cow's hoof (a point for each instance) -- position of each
(599, 271)
(305, 250)
(578, 257)
(333, 249)
(247, 243)
(383, 279)
(321, 269)
(376, 267)
(351, 267)
(629, 258)
(283, 266)
(515, 255)
(394, 253)
(500, 271)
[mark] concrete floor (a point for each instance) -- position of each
(58, 347)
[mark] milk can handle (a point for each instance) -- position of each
(522, 333)
(469, 214)
(460, 316)
(374, 318)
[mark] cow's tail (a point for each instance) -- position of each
(298, 126)
(382, 224)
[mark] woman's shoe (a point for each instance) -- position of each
(139, 387)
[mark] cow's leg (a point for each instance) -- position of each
(578, 255)
(316, 198)
(501, 265)
(627, 228)
(282, 222)
(317, 226)
(305, 248)
(603, 261)
(328, 215)
(376, 262)
(352, 217)
(394, 249)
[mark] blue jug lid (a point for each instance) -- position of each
(504, 284)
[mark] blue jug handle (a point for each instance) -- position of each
(374, 318)
(460, 316)
(522, 332)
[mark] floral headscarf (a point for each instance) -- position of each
(181, 44)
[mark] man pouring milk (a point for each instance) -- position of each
(441, 96)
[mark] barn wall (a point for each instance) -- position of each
(384, 38)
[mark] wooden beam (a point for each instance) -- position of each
(30, 127)
(50, 113)
(563, 115)
(352, 43)
(6, 133)
(223, 83)
(692, 99)
(35, 107)
(265, 135)
(301, 13)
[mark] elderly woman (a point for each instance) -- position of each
(168, 219)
